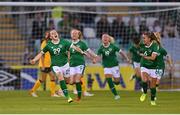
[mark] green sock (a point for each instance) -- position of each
(153, 93)
(111, 86)
(79, 89)
(144, 85)
(64, 88)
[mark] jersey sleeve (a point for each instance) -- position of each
(85, 47)
(45, 49)
(155, 48)
(99, 51)
(131, 49)
(117, 49)
(164, 52)
(68, 44)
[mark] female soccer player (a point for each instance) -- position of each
(161, 62)
(148, 63)
(44, 64)
(58, 51)
(107, 52)
(77, 61)
(134, 52)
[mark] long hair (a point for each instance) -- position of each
(80, 35)
(136, 39)
(48, 37)
(111, 39)
(158, 37)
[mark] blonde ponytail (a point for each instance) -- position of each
(158, 37)
(111, 39)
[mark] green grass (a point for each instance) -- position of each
(103, 102)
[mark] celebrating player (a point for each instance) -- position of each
(161, 62)
(77, 61)
(134, 52)
(58, 48)
(44, 64)
(107, 52)
(149, 62)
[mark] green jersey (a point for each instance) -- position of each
(108, 54)
(58, 52)
(76, 58)
(161, 53)
(147, 51)
(135, 51)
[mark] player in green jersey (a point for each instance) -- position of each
(162, 56)
(107, 52)
(58, 48)
(77, 61)
(134, 53)
(149, 52)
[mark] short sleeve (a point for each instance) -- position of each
(99, 52)
(117, 49)
(131, 49)
(68, 44)
(85, 47)
(155, 48)
(164, 52)
(45, 49)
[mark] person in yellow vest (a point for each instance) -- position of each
(44, 65)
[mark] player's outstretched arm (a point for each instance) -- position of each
(36, 58)
(152, 57)
(77, 49)
(124, 56)
(91, 53)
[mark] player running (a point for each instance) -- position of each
(77, 61)
(107, 52)
(58, 48)
(162, 56)
(148, 63)
(134, 53)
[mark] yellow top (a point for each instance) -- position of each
(47, 59)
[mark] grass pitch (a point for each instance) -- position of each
(102, 103)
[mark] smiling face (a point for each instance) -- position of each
(146, 39)
(54, 35)
(105, 39)
(74, 35)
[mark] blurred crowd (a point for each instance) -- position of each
(122, 28)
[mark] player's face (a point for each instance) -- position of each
(105, 39)
(54, 35)
(146, 39)
(74, 34)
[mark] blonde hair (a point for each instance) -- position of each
(111, 39)
(158, 37)
(79, 33)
